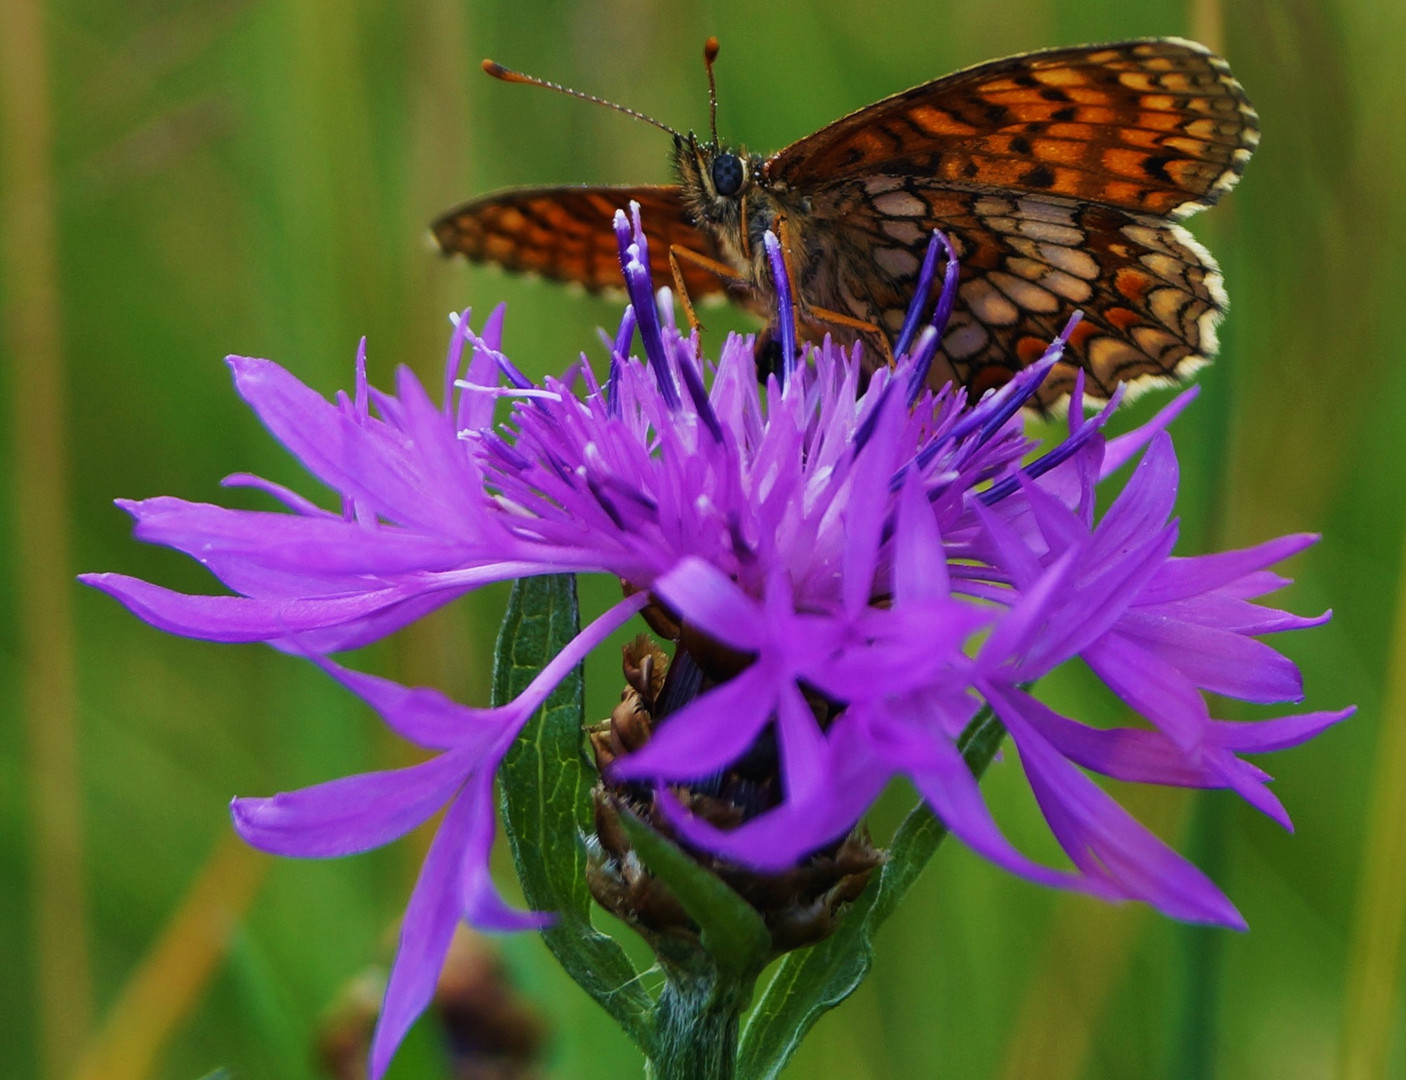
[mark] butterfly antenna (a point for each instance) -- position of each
(507, 75)
(710, 56)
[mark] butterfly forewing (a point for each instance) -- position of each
(1157, 126)
(566, 234)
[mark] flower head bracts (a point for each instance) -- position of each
(885, 548)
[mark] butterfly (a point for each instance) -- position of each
(1058, 176)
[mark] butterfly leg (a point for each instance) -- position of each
(713, 266)
(871, 331)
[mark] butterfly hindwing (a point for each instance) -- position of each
(1149, 293)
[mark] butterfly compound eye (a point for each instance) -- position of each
(727, 174)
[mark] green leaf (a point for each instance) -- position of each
(546, 801)
(733, 935)
(809, 982)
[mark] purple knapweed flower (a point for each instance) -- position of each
(892, 549)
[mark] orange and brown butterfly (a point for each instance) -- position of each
(1058, 176)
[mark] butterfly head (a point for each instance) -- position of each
(715, 180)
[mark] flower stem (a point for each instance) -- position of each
(696, 1028)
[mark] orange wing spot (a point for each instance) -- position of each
(1177, 80)
(988, 377)
(1194, 148)
(998, 172)
(1159, 103)
(511, 219)
(1060, 76)
(1030, 349)
(1162, 121)
(938, 122)
(1132, 283)
(1138, 80)
(1159, 63)
(498, 246)
(869, 143)
(1124, 162)
(1081, 132)
(605, 206)
(1205, 128)
(1161, 202)
(1080, 337)
(1097, 114)
(1122, 193)
(1190, 175)
(1121, 317)
(1148, 140)
(1086, 95)
(1059, 150)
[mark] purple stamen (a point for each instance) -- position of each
(693, 382)
(634, 261)
(865, 431)
(501, 449)
(1031, 384)
(785, 310)
(920, 297)
(1061, 453)
(623, 238)
(929, 343)
(455, 360)
(624, 338)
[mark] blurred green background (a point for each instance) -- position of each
(183, 180)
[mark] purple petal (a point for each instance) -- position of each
(1120, 450)
(354, 813)
(424, 715)
(708, 733)
(1152, 687)
(483, 906)
(287, 496)
(242, 547)
(778, 839)
(1134, 755)
(1264, 736)
(943, 778)
(803, 746)
(712, 602)
(1180, 579)
(1137, 755)
(1104, 840)
(242, 619)
(434, 910)
(1220, 611)
(1017, 630)
(864, 514)
(1143, 506)
(920, 563)
(1216, 660)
